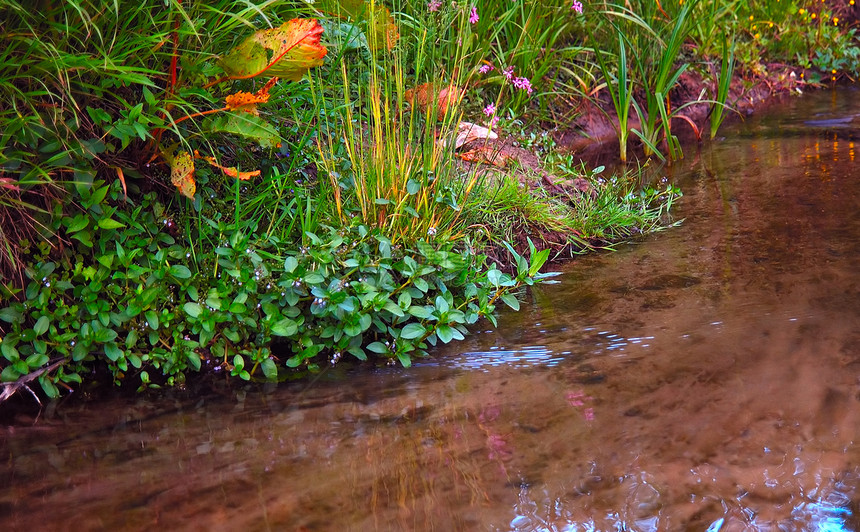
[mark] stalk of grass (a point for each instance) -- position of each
(726, 71)
(620, 88)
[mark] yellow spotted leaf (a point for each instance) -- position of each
(287, 51)
(182, 173)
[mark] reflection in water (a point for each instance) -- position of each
(706, 379)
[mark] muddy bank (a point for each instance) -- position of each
(593, 136)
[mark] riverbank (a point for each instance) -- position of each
(269, 201)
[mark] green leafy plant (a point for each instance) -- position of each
(123, 297)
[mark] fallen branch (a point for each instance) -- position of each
(11, 388)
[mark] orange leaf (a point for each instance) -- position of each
(247, 102)
(231, 171)
(182, 174)
(429, 100)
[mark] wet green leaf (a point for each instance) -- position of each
(377, 347)
(511, 301)
(285, 327)
(412, 331)
(270, 370)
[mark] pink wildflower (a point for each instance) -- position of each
(473, 16)
(524, 84)
(588, 413)
(494, 121)
(490, 109)
(508, 72)
(485, 68)
(577, 6)
(433, 5)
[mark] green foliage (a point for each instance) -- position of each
(128, 296)
(351, 241)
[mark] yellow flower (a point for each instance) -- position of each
(751, 17)
(757, 35)
(802, 11)
(813, 15)
(835, 20)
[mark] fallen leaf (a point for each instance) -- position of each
(9, 183)
(231, 171)
(121, 177)
(430, 100)
(486, 155)
(182, 174)
(467, 132)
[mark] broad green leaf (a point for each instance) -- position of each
(112, 351)
(9, 374)
(377, 347)
(245, 125)
(419, 312)
(270, 370)
(11, 314)
(48, 387)
(193, 309)
(180, 272)
(358, 353)
(110, 223)
(392, 307)
(412, 331)
(511, 301)
(314, 278)
(285, 327)
(41, 326)
(290, 264)
(445, 333)
(405, 359)
(9, 352)
(37, 360)
(151, 318)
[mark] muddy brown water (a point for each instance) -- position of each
(705, 378)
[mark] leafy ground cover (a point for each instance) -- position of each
(266, 188)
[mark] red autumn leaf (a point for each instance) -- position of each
(247, 102)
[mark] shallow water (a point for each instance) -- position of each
(706, 378)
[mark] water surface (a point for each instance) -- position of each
(705, 378)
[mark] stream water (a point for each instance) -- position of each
(705, 378)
